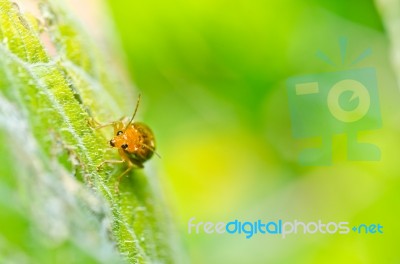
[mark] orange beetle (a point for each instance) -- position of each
(135, 142)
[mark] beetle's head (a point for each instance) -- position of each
(120, 140)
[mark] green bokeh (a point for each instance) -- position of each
(213, 78)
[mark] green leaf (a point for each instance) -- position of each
(60, 206)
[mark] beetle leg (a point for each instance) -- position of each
(122, 175)
(109, 161)
(94, 124)
(103, 125)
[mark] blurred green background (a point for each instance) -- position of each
(212, 75)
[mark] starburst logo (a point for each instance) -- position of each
(343, 102)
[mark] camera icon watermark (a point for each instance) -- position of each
(344, 102)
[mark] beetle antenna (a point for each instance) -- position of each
(152, 149)
(134, 113)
